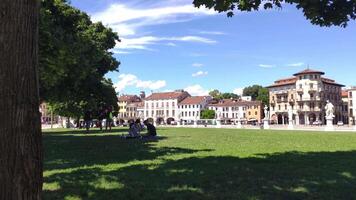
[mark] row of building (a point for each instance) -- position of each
(180, 106)
(306, 94)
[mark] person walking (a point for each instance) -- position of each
(87, 120)
(109, 119)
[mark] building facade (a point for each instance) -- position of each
(190, 108)
(230, 110)
(127, 107)
(351, 105)
(162, 108)
(306, 94)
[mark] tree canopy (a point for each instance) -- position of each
(322, 13)
(257, 92)
(74, 56)
(216, 94)
(207, 114)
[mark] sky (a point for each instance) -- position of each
(168, 45)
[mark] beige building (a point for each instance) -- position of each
(230, 110)
(306, 94)
(190, 108)
(127, 107)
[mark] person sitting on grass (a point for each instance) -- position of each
(134, 131)
(151, 130)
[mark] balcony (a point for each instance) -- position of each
(300, 91)
(312, 90)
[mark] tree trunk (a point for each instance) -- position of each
(20, 126)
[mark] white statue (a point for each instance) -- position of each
(290, 113)
(266, 112)
(218, 114)
(329, 109)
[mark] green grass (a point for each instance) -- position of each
(200, 164)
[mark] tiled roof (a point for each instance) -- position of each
(129, 98)
(234, 102)
(167, 95)
(332, 82)
(309, 71)
(282, 82)
(344, 93)
(194, 100)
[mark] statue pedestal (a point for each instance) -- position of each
(329, 124)
(266, 124)
(355, 128)
(179, 124)
(290, 126)
(239, 125)
(218, 123)
(195, 123)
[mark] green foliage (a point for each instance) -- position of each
(257, 92)
(199, 164)
(74, 56)
(207, 114)
(322, 13)
(216, 94)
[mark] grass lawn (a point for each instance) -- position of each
(200, 164)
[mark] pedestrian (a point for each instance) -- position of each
(87, 120)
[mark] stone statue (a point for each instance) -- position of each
(266, 112)
(218, 114)
(290, 113)
(329, 109)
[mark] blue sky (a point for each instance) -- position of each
(169, 45)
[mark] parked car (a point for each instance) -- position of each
(340, 123)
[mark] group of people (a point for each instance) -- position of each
(135, 129)
(103, 114)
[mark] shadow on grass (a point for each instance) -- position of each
(291, 175)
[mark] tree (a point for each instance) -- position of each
(322, 13)
(74, 57)
(20, 135)
(215, 94)
(257, 92)
(252, 91)
(263, 95)
(207, 114)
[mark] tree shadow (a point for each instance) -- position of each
(291, 175)
(69, 151)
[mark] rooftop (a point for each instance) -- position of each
(235, 102)
(168, 95)
(194, 100)
(309, 71)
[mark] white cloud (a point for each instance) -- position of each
(238, 91)
(197, 65)
(196, 90)
(266, 66)
(212, 33)
(142, 42)
(296, 64)
(126, 20)
(126, 80)
(200, 73)
(171, 44)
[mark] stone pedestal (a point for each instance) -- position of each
(239, 125)
(218, 123)
(266, 124)
(179, 123)
(290, 126)
(329, 124)
(195, 123)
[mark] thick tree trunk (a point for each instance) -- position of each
(20, 130)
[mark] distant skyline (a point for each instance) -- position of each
(168, 45)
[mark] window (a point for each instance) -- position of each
(279, 107)
(285, 107)
(167, 113)
(249, 113)
(300, 86)
(173, 104)
(167, 104)
(350, 94)
(351, 103)
(311, 85)
(193, 113)
(173, 113)
(255, 112)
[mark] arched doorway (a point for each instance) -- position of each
(301, 119)
(160, 120)
(286, 119)
(280, 119)
(170, 120)
(312, 118)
